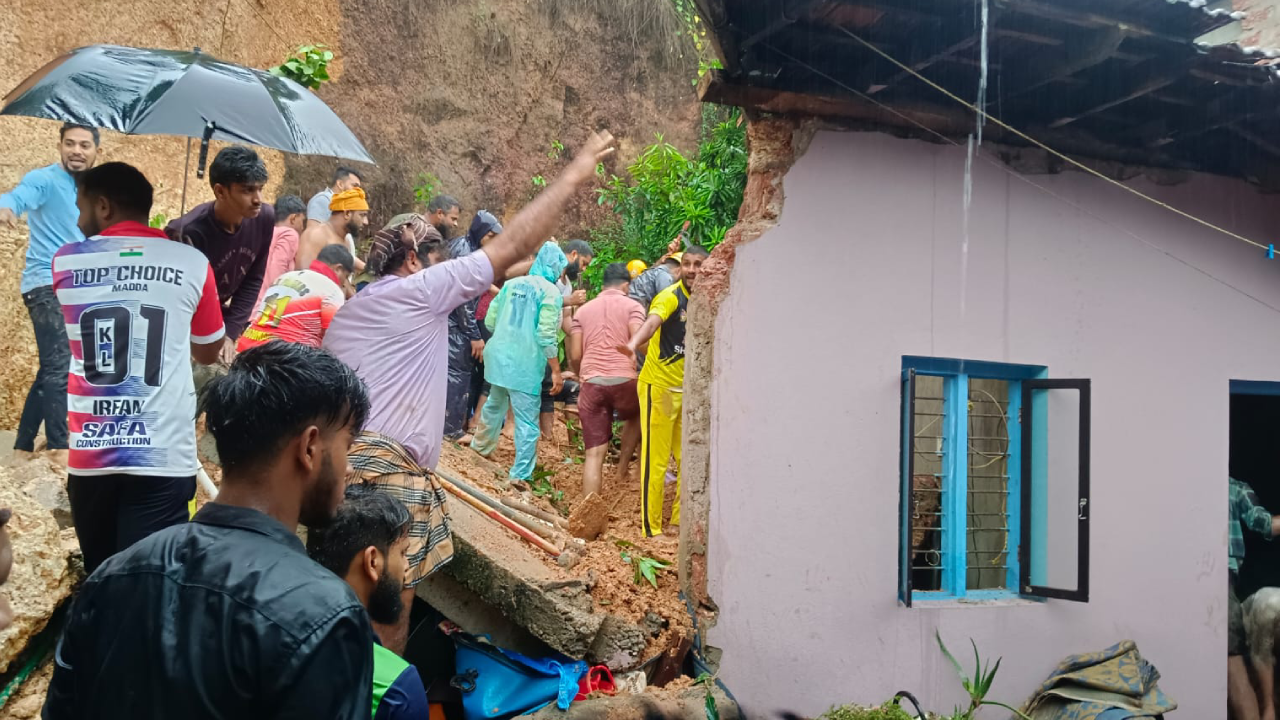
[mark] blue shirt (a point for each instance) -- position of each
(48, 198)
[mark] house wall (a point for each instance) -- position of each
(865, 266)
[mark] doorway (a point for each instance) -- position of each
(1254, 459)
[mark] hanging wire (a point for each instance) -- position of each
(997, 163)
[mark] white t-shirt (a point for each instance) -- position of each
(134, 301)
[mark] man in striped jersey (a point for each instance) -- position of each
(137, 306)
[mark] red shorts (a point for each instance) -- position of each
(596, 406)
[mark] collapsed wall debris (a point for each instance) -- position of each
(593, 610)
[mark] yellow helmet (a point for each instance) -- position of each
(635, 267)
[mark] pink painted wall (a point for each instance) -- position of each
(865, 267)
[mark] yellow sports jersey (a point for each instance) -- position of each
(664, 360)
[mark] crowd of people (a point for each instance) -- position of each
(329, 379)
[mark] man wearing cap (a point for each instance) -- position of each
(349, 214)
(466, 343)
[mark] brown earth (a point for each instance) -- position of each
(615, 587)
(473, 92)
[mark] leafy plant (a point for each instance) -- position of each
(159, 220)
(647, 568)
(557, 148)
(977, 686)
(424, 188)
(666, 189)
(707, 682)
(309, 66)
(538, 181)
(541, 486)
(706, 66)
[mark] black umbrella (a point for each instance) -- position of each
(189, 94)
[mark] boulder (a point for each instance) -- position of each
(43, 575)
(589, 518)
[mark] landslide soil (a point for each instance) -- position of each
(615, 590)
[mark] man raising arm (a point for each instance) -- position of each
(534, 223)
(406, 311)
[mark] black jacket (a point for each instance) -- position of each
(223, 617)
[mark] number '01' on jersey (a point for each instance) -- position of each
(134, 302)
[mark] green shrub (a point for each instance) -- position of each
(666, 189)
(309, 66)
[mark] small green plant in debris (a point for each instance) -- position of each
(887, 711)
(541, 485)
(574, 428)
(557, 149)
(706, 66)
(159, 220)
(978, 685)
(309, 66)
(538, 181)
(708, 681)
(647, 568)
(424, 188)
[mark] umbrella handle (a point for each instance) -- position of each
(204, 148)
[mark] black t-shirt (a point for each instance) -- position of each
(238, 259)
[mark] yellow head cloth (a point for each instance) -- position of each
(353, 199)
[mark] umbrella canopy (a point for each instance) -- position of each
(190, 94)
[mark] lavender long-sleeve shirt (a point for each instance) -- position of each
(395, 335)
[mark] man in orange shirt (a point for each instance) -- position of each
(299, 305)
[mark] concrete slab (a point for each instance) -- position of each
(553, 605)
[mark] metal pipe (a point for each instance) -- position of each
(536, 512)
(507, 512)
(501, 519)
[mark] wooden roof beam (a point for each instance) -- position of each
(1074, 56)
(1134, 89)
(1027, 36)
(918, 63)
(1233, 107)
(792, 12)
(1068, 16)
(1261, 142)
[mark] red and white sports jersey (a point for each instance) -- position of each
(134, 301)
(297, 308)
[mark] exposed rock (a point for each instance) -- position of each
(570, 556)
(42, 575)
(46, 482)
(590, 518)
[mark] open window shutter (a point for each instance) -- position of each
(1053, 552)
(904, 501)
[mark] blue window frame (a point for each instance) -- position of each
(981, 517)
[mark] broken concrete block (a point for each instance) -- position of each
(619, 644)
(590, 518)
(42, 576)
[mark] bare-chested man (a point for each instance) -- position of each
(350, 214)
